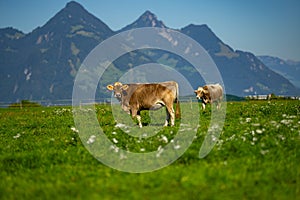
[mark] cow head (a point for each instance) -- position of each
(201, 93)
(119, 89)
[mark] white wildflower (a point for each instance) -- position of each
(115, 140)
(259, 131)
(256, 124)
(286, 121)
(164, 139)
(114, 148)
(144, 135)
(91, 140)
(254, 139)
(182, 124)
(74, 130)
(220, 142)
(159, 151)
(232, 137)
(243, 138)
(263, 152)
(142, 149)
(159, 148)
(281, 137)
(122, 156)
(241, 120)
(214, 138)
(17, 136)
(119, 125)
(114, 133)
(177, 147)
(248, 120)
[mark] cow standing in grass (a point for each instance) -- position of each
(212, 93)
(150, 96)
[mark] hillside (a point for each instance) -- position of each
(288, 69)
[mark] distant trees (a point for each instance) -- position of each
(24, 103)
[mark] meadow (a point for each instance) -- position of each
(257, 156)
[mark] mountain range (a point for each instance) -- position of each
(43, 63)
(287, 68)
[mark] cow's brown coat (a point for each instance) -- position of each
(151, 96)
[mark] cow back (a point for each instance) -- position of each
(215, 91)
(146, 95)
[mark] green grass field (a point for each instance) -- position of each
(256, 157)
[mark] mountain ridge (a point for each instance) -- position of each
(49, 57)
(287, 68)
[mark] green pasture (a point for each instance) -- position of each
(257, 155)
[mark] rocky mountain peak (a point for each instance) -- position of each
(147, 19)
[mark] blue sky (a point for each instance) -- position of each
(263, 27)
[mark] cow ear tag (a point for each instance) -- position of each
(110, 87)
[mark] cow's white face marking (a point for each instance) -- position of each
(199, 92)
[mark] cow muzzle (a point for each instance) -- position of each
(118, 95)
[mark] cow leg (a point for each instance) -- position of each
(139, 118)
(167, 117)
(170, 115)
(172, 118)
(136, 114)
(203, 106)
(218, 105)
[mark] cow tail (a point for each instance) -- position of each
(177, 111)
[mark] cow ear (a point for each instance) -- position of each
(125, 87)
(205, 91)
(110, 87)
(195, 91)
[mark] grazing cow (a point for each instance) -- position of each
(150, 96)
(212, 93)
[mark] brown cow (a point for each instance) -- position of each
(212, 93)
(150, 96)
